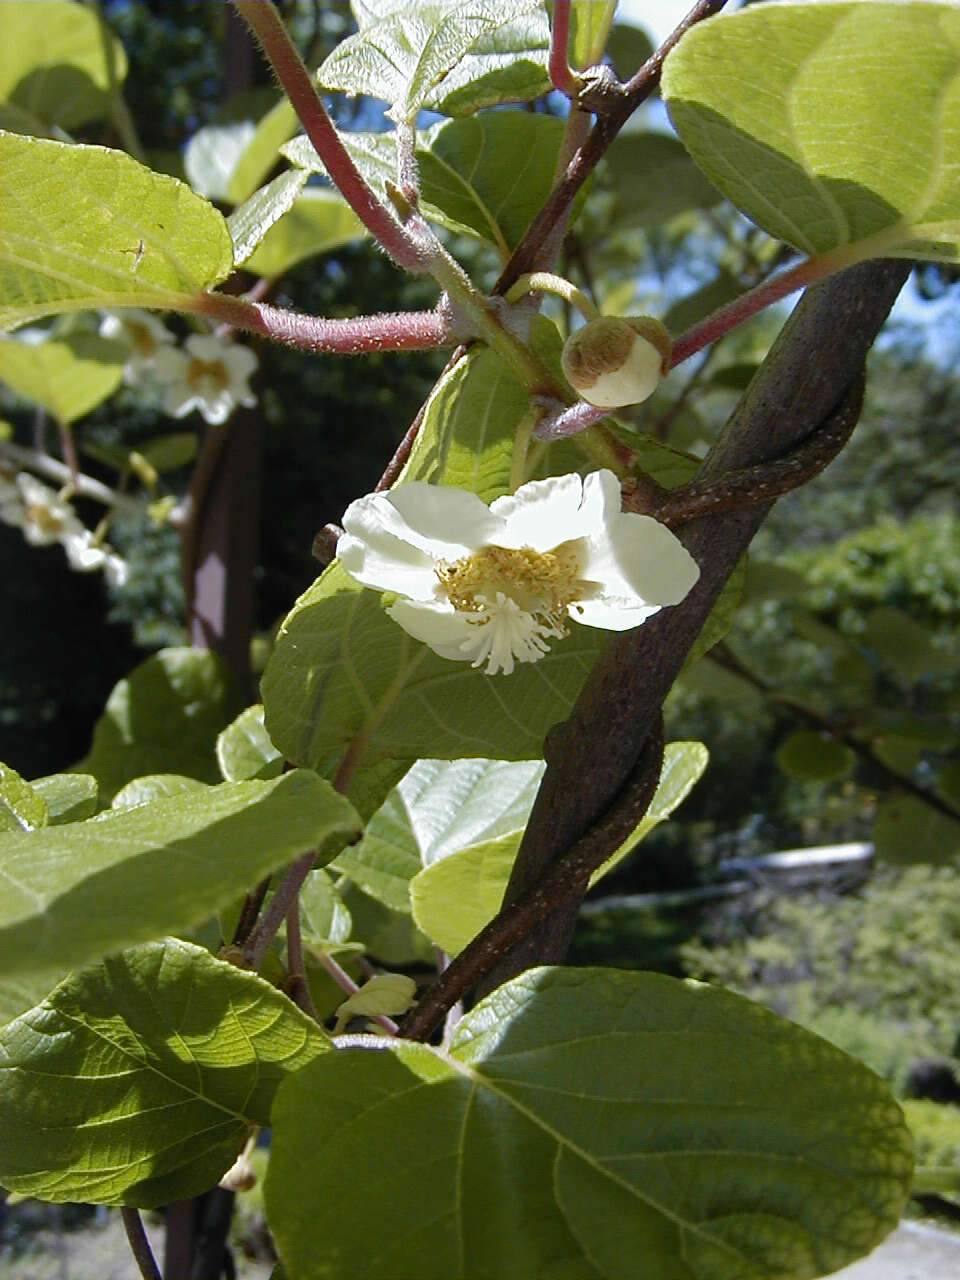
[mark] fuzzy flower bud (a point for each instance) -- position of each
(617, 360)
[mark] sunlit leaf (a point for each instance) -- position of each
(75, 892)
(167, 1059)
(21, 807)
(319, 220)
(244, 749)
(255, 218)
(87, 227)
(59, 62)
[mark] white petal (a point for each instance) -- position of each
(240, 360)
(542, 513)
(170, 363)
(610, 614)
(437, 625)
(215, 409)
(639, 561)
(601, 500)
(178, 400)
(206, 347)
(378, 559)
(444, 522)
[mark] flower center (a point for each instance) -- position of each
(142, 339)
(541, 583)
(43, 518)
(211, 371)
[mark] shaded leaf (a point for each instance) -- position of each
(211, 156)
(905, 647)
(906, 830)
(814, 757)
(654, 179)
(587, 1123)
(168, 1059)
(72, 222)
(324, 917)
(384, 993)
(628, 48)
(259, 155)
(589, 23)
(75, 892)
(778, 104)
(59, 62)
(163, 718)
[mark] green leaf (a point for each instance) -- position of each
(814, 757)
(259, 155)
(244, 749)
(21, 807)
(438, 808)
(721, 616)
(342, 670)
(324, 918)
(589, 23)
(319, 220)
(907, 831)
(163, 718)
(490, 174)
(155, 786)
(169, 452)
(75, 892)
(405, 57)
(628, 48)
(384, 993)
(68, 376)
(72, 222)
(467, 435)
(211, 156)
(461, 889)
(22, 991)
(588, 1123)
(905, 647)
(779, 105)
(686, 312)
(168, 1058)
(654, 180)
(254, 219)
(59, 62)
(69, 797)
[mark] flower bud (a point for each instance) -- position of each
(617, 360)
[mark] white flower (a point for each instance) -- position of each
(142, 333)
(496, 584)
(43, 515)
(85, 554)
(210, 375)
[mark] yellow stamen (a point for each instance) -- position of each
(214, 370)
(542, 583)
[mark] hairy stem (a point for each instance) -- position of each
(360, 335)
(558, 67)
(267, 25)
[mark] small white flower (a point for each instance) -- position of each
(210, 375)
(142, 333)
(496, 584)
(44, 516)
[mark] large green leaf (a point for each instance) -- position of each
(654, 179)
(585, 1124)
(319, 220)
(461, 889)
(59, 62)
(406, 56)
(343, 672)
(163, 718)
(829, 124)
(75, 892)
(138, 1081)
(438, 808)
(68, 376)
(87, 227)
(490, 174)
